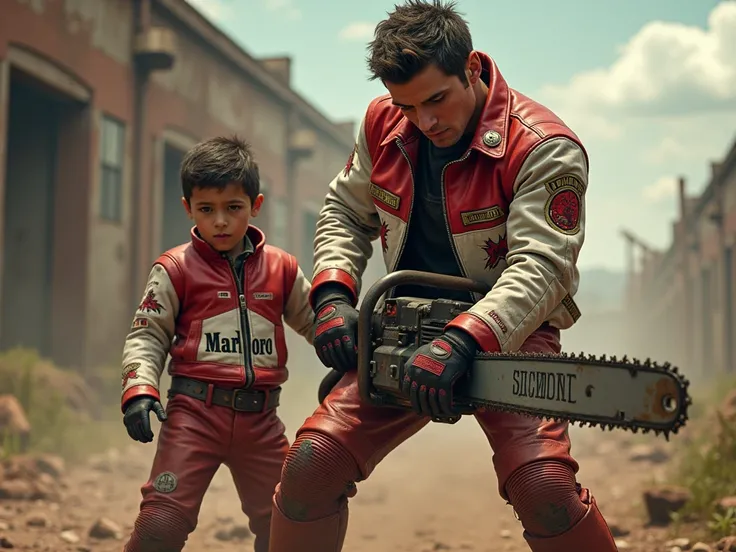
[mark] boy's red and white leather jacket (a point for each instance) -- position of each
(514, 207)
(216, 330)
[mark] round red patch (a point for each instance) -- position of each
(563, 210)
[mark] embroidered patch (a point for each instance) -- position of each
(384, 196)
(495, 251)
(562, 210)
(165, 482)
(571, 307)
(140, 323)
(150, 303)
(223, 295)
(497, 319)
(384, 236)
(263, 296)
(429, 364)
(481, 215)
(351, 159)
(130, 371)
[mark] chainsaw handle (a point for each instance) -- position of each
(373, 295)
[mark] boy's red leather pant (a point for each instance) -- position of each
(193, 443)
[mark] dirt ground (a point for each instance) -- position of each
(409, 503)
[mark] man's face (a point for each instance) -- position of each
(222, 215)
(440, 105)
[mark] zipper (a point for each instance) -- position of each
(471, 295)
(411, 207)
(249, 375)
(444, 210)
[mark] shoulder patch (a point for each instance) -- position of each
(150, 303)
(351, 159)
(562, 209)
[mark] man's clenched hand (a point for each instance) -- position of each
(137, 418)
(336, 334)
(434, 368)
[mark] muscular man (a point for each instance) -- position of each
(455, 173)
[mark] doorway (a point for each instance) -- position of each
(176, 223)
(28, 218)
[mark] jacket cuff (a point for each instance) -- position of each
(334, 275)
(138, 391)
(478, 330)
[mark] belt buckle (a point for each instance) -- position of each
(246, 397)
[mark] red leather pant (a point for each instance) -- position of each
(193, 443)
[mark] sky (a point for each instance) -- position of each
(648, 85)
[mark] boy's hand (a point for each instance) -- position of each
(137, 418)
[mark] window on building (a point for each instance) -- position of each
(307, 249)
(111, 169)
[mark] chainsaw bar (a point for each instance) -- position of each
(583, 389)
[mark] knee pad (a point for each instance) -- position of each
(546, 497)
(318, 473)
(159, 529)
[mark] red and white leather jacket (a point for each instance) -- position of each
(215, 330)
(514, 207)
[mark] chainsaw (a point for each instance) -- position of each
(584, 389)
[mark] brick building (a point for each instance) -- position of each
(98, 101)
(680, 303)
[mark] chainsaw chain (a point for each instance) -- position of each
(632, 365)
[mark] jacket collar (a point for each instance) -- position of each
(255, 240)
(490, 135)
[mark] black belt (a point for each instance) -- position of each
(241, 400)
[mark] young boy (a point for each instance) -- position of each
(218, 305)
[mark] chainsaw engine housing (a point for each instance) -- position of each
(401, 326)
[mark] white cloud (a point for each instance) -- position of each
(284, 7)
(666, 69)
(669, 148)
(357, 31)
(660, 190)
(215, 10)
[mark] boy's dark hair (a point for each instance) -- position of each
(416, 34)
(216, 162)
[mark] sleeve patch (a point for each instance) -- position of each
(562, 210)
(140, 323)
(130, 371)
(571, 307)
(150, 303)
(351, 158)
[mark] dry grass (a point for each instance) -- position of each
(706, 465)
(70, 414)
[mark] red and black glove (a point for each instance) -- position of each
(434, 368)
(336, 335)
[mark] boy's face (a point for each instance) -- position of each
(222, 215)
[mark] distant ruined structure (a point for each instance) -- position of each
(680, 303)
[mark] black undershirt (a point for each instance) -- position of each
(428, 245)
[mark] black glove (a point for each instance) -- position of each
(137, 419)
(336, 335)
(434, 368)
